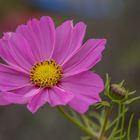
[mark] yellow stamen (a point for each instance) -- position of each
(46, 73)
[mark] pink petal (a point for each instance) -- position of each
(21, 95)
(87, 56)
(2, 100)
(37, 101)
(15, 50)
(86, 88)
(79, 104)
(68, 40)
(40, 35)
(54, 96)
(58, 96)
(15, 98)
(26, 90)
(11, 78)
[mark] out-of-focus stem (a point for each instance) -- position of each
(139, 129)
(89, 132)
(122, 122)
(107, 113)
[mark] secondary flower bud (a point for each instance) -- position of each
(117, 93)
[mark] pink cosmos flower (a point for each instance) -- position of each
(50, 65)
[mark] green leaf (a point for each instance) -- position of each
(118, 132)
(85, 138)
(113, 134)
(117, 119)
(129, 101)
(95, 115)
(118, 138)
(102, 104)
(139, 129)
(129, 127)
(76, 116)
(121, 83)
(107, 85)
(122, 121)
(132, 92)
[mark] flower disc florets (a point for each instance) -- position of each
(46, 73)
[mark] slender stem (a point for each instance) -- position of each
(79, 125)
(129, 127)
(85, 120)
(139, 129)
(108, 111)
(119, 112)
(117, 123)
(122, 122)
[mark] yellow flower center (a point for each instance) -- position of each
(46, 73)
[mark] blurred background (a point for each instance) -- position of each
(116, 20)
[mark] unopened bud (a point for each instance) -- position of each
(117, 92)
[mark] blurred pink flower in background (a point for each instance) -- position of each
(45, 64)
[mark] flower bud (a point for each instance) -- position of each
(117, 92)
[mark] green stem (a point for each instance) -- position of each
(108, 111)
(117, 123)
(89, 132)
(119, 112)
(86, 121)
(139, 129)
(122, 122)
(129, 127)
